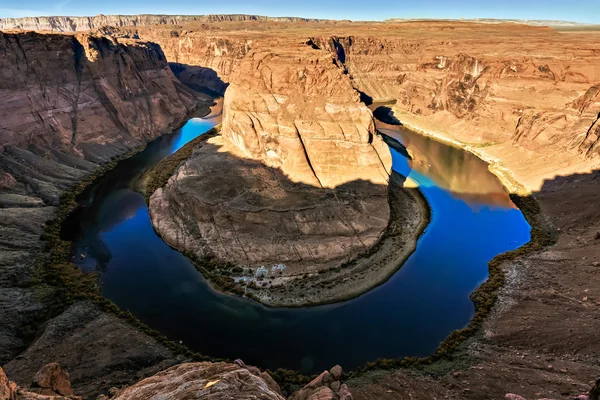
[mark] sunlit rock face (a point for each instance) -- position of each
(68, 103)
(298, 176)
(205, 381)
(295, 109)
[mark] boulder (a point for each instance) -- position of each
(203, 380)
(336, 372)
(6, 391)
(51, 378)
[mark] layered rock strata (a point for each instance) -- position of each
(68, 104)
(476, 87)
(75, 24)
(296, 185)
(477, 84)
(295, 109)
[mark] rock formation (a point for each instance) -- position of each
(478, 84)
(526, 97)
(68, 103)
(296, 110)
(200, 380)
(326, 386)
(74, 24)
(50, 383)
(296, 185)
(204, 381)
(80, 94)
(474, 88)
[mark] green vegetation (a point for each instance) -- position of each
(158, 175)
(483, 298)
(70, 284)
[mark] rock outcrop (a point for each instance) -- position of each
(50, 383)
(68, 104)
(295, 109)
(306, 186)
(79, 93)
(327, 386)
(74, 24)
(204, 381)
(518, 103)
(478, 84)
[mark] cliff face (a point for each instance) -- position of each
(68, 103)
(295, 109)
(78, 93)
(480, 84)
(296, 184)
(74, 24)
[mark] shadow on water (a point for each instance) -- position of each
(385, 114)
(201, 79)
(409, 315)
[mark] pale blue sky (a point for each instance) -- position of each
(587, 11)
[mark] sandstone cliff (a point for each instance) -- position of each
(295, 109)
(478, 84)
(74, 24)
(80, 93)
(295, 187)
(68, 103)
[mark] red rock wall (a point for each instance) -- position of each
(76, 93)
(296, 109)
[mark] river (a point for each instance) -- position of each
(472, 220)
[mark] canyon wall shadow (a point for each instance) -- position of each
(201, 79)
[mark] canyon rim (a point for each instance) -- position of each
(298, 146)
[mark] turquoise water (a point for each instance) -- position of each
(409, 315)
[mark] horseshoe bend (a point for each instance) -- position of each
(413, 200)
(307, 188)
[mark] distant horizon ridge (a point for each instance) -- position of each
(535, 22)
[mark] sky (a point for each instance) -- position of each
(585, 11)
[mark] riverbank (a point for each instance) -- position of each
(408, 218)
(60, 313)
(546, 283)
(521, 171)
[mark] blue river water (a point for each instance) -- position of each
(472, 221)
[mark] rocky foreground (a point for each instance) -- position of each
(218, 381)
(295, 187)
(69, 104)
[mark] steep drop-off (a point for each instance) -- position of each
(296, 186)
(479, 84)
(68, 104)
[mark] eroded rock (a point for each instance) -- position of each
(326, 386)
(295, 109)
(202, 381)
(52, 379)
(6, 391)
(296, 185)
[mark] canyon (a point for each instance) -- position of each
(479, 85)
(307, 186)
(71, 104)
(523, 98)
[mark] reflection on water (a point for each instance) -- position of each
(407, 316)
(459, 172)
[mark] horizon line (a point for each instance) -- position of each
(391, 19)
